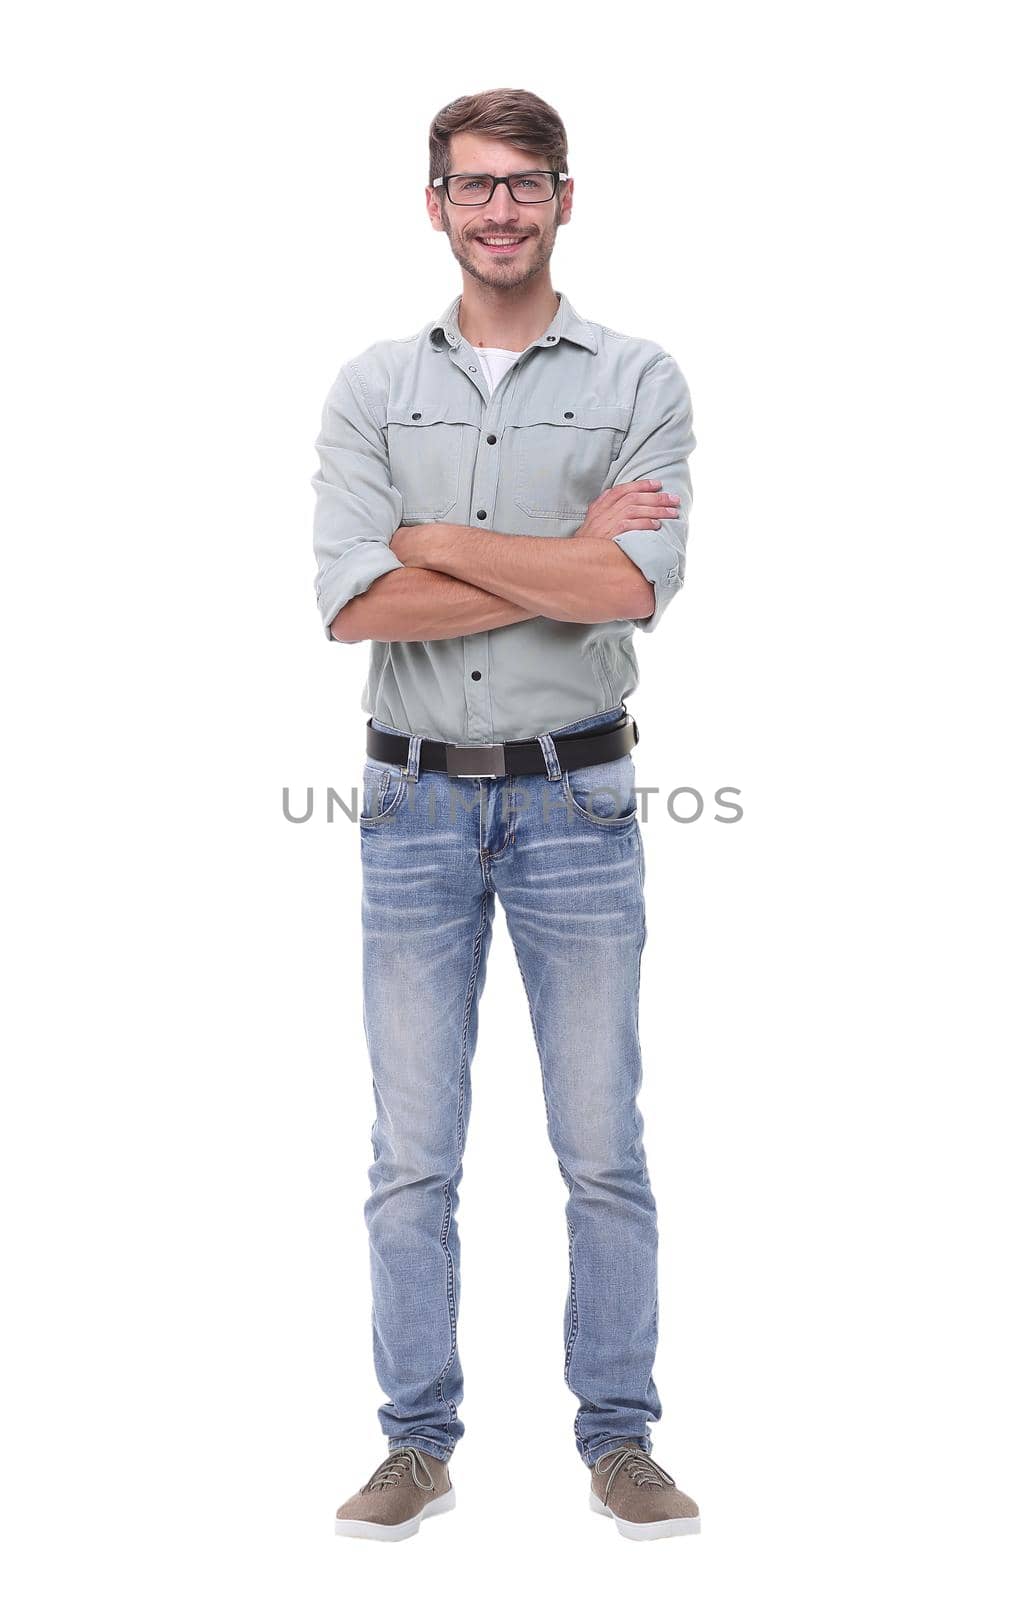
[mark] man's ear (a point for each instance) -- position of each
(433, 201)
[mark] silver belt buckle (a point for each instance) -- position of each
(475, 760)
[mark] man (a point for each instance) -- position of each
(502, 499)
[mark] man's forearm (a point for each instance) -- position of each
(414, 603)
(570, 580)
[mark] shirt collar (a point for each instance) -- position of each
(566, 324)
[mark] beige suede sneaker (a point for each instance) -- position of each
(408, 1486)
(628, 1485)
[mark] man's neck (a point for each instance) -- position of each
(506, 319)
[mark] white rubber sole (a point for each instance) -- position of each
(646, 1530)
(352, 1529)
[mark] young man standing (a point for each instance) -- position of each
(502, 499)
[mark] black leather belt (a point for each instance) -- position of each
(515, 756)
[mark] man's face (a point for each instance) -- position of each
(535, 226)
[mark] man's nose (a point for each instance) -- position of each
(501, 206)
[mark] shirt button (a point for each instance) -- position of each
(569, 413)
(416, 416)
(473, 369)
(491, 438)
(474, 675)
(481, 516)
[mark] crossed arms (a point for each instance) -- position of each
(458, 580)
(381, 579)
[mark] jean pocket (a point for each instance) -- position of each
(604, 794)
(383, 789)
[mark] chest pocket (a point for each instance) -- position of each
(562, 455)
(428, 449)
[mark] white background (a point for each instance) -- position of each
(810, 208)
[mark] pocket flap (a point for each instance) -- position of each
(566, 415)
(428, 411)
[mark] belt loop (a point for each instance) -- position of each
(412, 767)
(550, 755)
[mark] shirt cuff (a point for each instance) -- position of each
(660, 563)
(349, 576)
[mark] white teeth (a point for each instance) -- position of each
(493, 240)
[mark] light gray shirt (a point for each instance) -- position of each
(411, 433)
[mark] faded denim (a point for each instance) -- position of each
(438, 855)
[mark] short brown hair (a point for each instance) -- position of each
(514, 115)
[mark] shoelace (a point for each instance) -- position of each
(640, 1466)
(392, 1469)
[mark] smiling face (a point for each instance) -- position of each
(532, 227)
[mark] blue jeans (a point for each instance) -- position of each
(564, 856)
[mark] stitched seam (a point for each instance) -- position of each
(567, 1176)
(432, 512)
(662, 355)
(573, 1295)
(495, 855)
(526, 473)
(478, 945)
(380, 798)
(600, 667)
(361, 385)
(372, 819)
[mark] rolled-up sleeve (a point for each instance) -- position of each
(356, 510)
(658, 444)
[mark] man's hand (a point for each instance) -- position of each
(627, 505)
(406, 543)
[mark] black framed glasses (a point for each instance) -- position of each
(476, 188)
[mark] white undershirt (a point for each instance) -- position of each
(496, 363)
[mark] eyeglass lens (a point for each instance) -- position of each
(474, 188)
